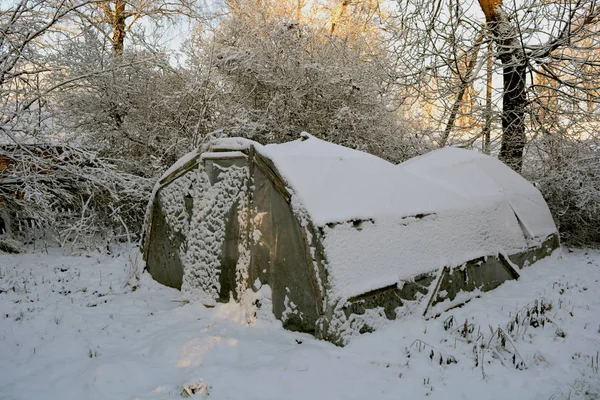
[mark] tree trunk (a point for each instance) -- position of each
(514, 98)
(336, 18)
(488, 102)
(118, 24)
(299, 6)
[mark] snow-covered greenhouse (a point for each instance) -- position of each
(343, 240)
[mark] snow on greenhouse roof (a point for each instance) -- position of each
(338, 184)
(478, 176)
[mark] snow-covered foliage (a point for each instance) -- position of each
(569, 178)
(70, 195)
(139, 110)
(279, 76)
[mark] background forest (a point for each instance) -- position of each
(98, 98)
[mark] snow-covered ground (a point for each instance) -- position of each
(70, 329)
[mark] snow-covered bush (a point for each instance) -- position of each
(139, 109)
(568, 175)
(70, 194)
(278, 73)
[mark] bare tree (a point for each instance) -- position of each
(530, 38)
(23, 26)
(115, 19)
